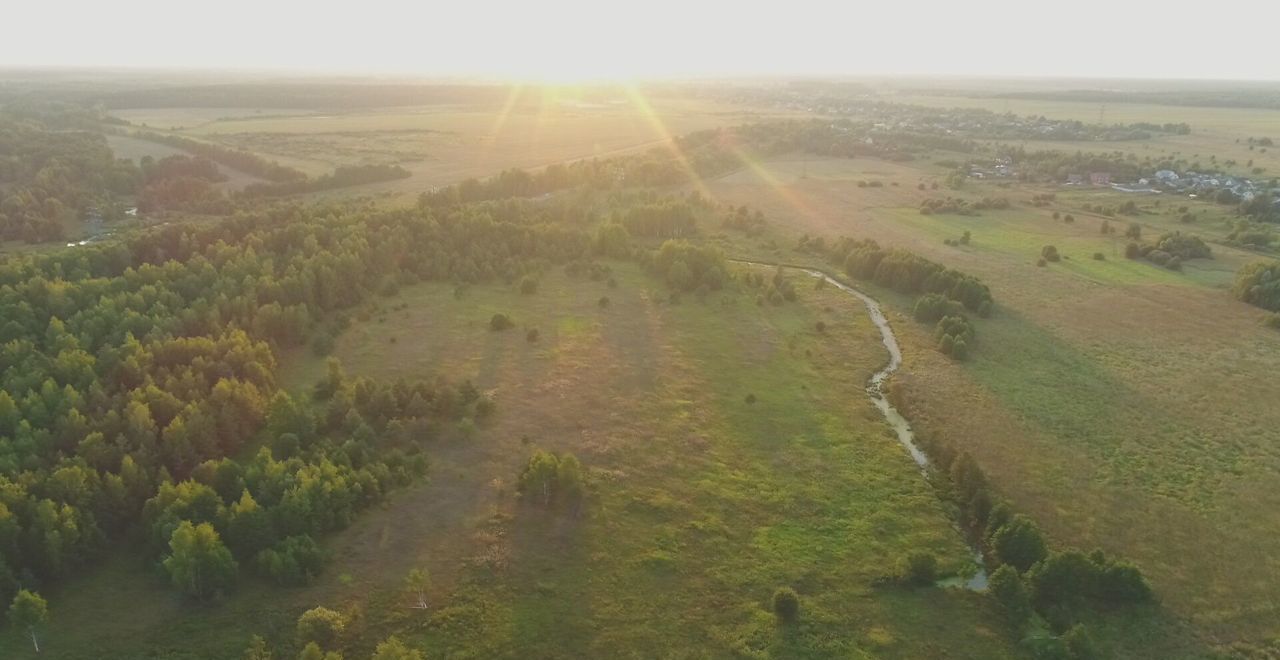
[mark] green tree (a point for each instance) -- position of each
(28, 611)
(1019, 543)
(418, 581)
(394, 649)
(257, 650)
(322, 626)
(199, 564)
(1009, 590)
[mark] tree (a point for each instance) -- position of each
(1019, 543)
(312, 651)
(418, 581)
(28, 611)
(1080, 644)
(199, 564)
(257, 649)
(786, 603)
(394, 649)
(1010, 591)
(321, 626)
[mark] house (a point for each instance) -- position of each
(1075, 179)
(1100, 178)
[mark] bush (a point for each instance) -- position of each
(1258, 284)
(531, 335)
(603, 302)
(500, 322)
(1041, 262)
(1098, 256)
(528, 286)
(1050, 253)
(322, 626)
(750, 399)
(820, 326)
(1132, 251)
(786, 603)
(918, 568)
(1069, 218)
(1273, 321)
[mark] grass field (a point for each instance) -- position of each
(444, 144)
(1221, 132)
(134, 149)
(700, 504)
(1124, 405)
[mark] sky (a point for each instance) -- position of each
(572, 40)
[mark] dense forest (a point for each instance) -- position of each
(49, 177)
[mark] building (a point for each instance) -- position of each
(1100, 178)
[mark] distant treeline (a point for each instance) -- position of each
(1221, 98)
(246, 162)
(343, 176)
(301, 95)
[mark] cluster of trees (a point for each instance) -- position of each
(775, 290)
(341, 177)
(1254, 235)
(1258, 284)
(1170, 250)
(1034, 583)
(130, 371)
(320, 633)
(685, 266)
(669, 218)
(553, 481)
(182, 182)
(957, 206)
(49, 177)
(751, 223)
(244, 161)
(953, 335)
(905, 272)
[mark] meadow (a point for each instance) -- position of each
(444, 144)
(1124, 405)
(700, 504)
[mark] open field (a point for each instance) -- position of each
(1220, 132)
(444, 144)
(700, 503)
(1125, 406)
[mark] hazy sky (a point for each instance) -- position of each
(568, 39)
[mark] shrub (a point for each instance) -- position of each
(918, 568)
(1273, 320)
(1069, 218)
(1041, 262)
(531, 335)
(786, 603)
(528, 286)
(322, 626)
(1132, 251)
(1080, 645)
(750, 399)
(1134, 231)
(1098, 256)
(1050, 253)
(603, 302)
(500, 322)
(820, 326)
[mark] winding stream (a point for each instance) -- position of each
(875, 390)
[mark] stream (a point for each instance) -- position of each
(875, 390)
